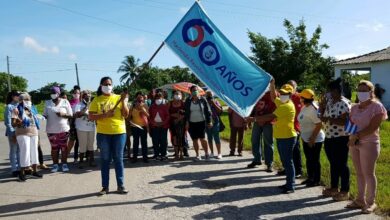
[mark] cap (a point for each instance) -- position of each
(56, 89)
(287, 88)
(307, 94)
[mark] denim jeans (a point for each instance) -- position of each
(13, 154)
(213, 133)
(286, 148)
(111, 147)
(260, 135)
(160, 141)
(137, 135)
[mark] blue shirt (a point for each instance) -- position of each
(10, 130)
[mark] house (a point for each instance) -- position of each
(377, 63)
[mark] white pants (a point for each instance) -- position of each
(86, 140)
(28, 150)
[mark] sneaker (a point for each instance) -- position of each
(36, 174)
(198, 158)
(298, 176)
(122, 190)
(102, 192)
(54, 168)
(269, 169)
(65, 167)
(253, 164)
(355, 205)
(211, 155)
(341, 196)
(219, 156)
(281, 172)
(369, 209)
(207, 157)
(43, 167)
(330, 192)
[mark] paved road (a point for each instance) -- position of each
(160, 190)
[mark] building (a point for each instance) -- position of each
(377, 63)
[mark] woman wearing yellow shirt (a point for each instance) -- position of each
(283, 131)
(109, 111)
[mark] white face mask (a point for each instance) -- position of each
(363, 96)
(54, 96)
(159, 101)
(76, 96)
(284, 98)
(107, 89)
(177, 97)
(27, 104)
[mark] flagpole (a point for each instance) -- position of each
(147, 63)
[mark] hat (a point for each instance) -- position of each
(287, 88)
(56, 90)
(307, 94)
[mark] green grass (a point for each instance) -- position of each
(382, 166)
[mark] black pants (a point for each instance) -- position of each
(40, 154)
(137, 135)
(313, 165)
(336, 150)
(297, 156)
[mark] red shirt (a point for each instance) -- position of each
(264, 106)
(163, 111)
(296, 99)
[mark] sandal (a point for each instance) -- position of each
(354, 205)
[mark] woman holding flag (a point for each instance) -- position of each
(109, 111)
(364, 144)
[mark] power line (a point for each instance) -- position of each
(97, 18)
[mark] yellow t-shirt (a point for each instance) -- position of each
(284, 125)
(112, 125)
(136, 118)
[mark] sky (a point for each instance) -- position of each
(45, 38)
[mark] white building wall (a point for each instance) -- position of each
(380, 73)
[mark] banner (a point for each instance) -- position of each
(217, 62)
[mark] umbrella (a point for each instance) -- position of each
(183, 87)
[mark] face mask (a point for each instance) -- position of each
(284, 98)
(177, 97)
(54, 96)
(195, 93)
(159, 101)
(27, 104)
(363, 96)
(76, 96)
(107, 89)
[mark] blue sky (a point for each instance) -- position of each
(44, 38)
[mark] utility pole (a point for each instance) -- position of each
(77, 75)
(9, 76)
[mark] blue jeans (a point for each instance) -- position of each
(260, 135)
(213, 133)
(111, 147)
(13, 154)
(285, 148)
(160, 141)
(137, 135)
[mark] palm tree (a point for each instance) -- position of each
(130, 69)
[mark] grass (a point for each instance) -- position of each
(382, 165)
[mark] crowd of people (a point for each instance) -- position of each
(285, 116)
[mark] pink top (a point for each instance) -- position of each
(363, 117)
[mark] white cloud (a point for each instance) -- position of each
(33, 44)
(375, 26)
(183, 10)
(72, 56)
(345, 56)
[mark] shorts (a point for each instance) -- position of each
(59, 141)
(197, 130)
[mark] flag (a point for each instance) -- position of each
(217, 62)
(350, 127)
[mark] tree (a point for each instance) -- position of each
(17, 83)
(130, 68)
(300, 58)
(44, 92)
